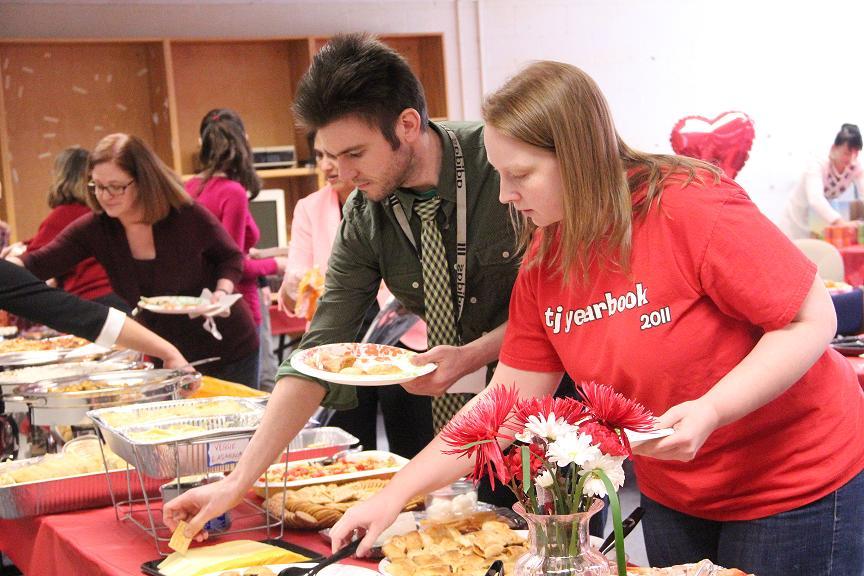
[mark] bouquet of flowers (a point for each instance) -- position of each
(566, 453)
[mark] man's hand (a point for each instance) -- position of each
(453, 363)
(199, 505)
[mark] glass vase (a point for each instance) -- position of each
(559, 545)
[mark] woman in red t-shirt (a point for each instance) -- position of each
(67, 199)
(657, 275)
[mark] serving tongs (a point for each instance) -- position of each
(341, 554)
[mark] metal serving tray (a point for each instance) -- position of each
(12, 379)
(316, 442)
(57, 495)
(187, 454)
(52, 407)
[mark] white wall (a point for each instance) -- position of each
(794, 70)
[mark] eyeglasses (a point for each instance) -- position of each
(111, 189)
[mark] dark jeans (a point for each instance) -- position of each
(243, 371)
(824, 538)
(407, 419)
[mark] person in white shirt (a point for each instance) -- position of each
(824, 187)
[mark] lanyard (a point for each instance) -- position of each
(461, 221)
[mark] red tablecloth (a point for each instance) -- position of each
(853, 264)
(93, 543)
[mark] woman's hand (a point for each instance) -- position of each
(372, 516)
(288, 292)
(693, 422)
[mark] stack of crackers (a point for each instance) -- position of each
(322, 505)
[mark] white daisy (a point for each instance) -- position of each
(550, 428)
(572, 447)
(544, 480)
(611, 465)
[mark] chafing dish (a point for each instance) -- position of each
(207, 448)
(12, 379)
(49, 404)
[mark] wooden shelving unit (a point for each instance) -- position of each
(59, 93)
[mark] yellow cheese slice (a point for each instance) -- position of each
(224, 556)
(179, 541)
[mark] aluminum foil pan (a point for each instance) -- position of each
(197, 450)
(58, 495)
(316, 442)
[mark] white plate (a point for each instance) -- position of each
(636, 438)
(305, 361)
(176, 304)
(332, 570)
(338, 478)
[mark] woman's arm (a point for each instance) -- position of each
(431, 468)
(779, 359)
(815, 190)
(299, 257)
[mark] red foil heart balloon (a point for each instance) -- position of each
(724, 141)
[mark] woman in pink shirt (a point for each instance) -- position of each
(225, 185)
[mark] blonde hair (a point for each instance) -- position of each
(70, 177)
(159, 189)
(558, 107)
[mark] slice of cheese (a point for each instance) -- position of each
(224, 556)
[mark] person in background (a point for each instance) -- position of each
(824, 185)
(67, 198)
(370, 112)
(658, 276)
(407, 417)
(24, 295)
(154, 240)
(225, 185)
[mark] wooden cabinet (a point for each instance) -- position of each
(59, 93)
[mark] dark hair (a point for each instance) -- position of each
(70, 177)
(225, 148)
(355, 74)
(849, 135)
(159, 188)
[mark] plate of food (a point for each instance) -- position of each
(176, 304)
(299, 473)
(359, 364)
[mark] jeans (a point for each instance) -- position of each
(823, 538)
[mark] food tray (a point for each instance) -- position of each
(38, 357)
(50, 407)
(277, 486)
(193, 453)
(317, 442)
(151, 568)
(57, 495)
(11, 379)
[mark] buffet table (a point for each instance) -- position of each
(93, 543)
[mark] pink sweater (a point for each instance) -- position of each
(228, 201)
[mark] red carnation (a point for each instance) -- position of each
(475, 433)
(614, 410)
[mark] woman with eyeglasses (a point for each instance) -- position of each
(153, 240)
(67, 198)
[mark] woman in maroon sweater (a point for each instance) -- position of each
(153, 240)
(67, 198)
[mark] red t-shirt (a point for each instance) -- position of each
(709, 275)
(88, 280)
